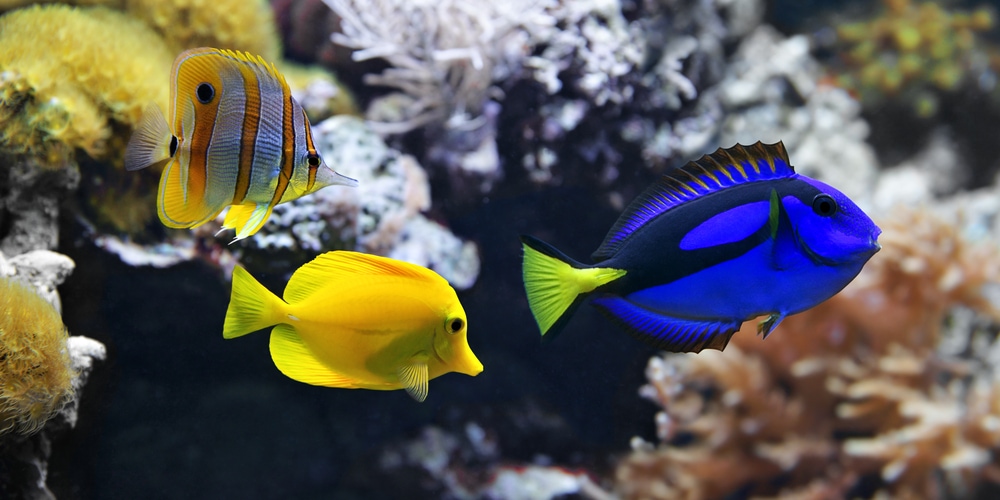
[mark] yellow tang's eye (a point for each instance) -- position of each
(454, 325)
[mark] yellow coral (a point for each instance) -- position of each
(185, 24)
(35, 371)
(910, 49)
(228, 24)
(62, 90)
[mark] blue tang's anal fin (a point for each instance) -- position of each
(672, 334)
(764, 328)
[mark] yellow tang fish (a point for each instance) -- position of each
(236, 136)
(358, 321)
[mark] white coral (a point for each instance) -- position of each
(445, 54)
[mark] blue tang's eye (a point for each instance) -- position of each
(824, 205)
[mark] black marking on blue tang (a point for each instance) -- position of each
(645, 241)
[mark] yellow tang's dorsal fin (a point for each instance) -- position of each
(297, 362)
(343, 266)
(413, 377)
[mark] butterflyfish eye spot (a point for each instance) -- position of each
(313, 160)
(173, 145)
(205, 93)
(455, 325)
(824, 205)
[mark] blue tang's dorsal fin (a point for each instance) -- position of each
(713, 172)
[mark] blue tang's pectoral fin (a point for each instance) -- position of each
(672, 334)
(764, 328)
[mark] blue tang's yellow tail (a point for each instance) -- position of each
(555, 284)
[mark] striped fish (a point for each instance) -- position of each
(236, 137)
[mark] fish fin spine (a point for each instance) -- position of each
(150, 142)
(252, 307)
(414, 378)
(553, 282)
(664, 332)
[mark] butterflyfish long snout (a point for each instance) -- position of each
(235, 137)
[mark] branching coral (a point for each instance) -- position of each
(913, 49)
(35, 370)
(855, 396)
(444, 55)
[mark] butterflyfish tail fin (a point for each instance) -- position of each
(151, 141)
(555, 284)
(251, 306)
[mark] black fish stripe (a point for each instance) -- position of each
(311, 149)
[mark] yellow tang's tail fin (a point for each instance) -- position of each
(555, 284)
(251, 307)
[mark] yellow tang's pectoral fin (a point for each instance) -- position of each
(414, 377)
(297, 362)
(246, 219)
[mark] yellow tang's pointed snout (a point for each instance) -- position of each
(467, 362)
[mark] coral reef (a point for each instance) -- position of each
(563, 83)
(42, 371)
(771, 92)
(913, 51)
(889, 387)
(382, 216)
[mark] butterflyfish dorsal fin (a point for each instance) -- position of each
(711, 173)
(296, 361)
(413, 377)
(343, 266)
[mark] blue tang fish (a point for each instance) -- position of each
(730, 237)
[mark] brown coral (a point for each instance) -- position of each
(854, 396)
(35, 370)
